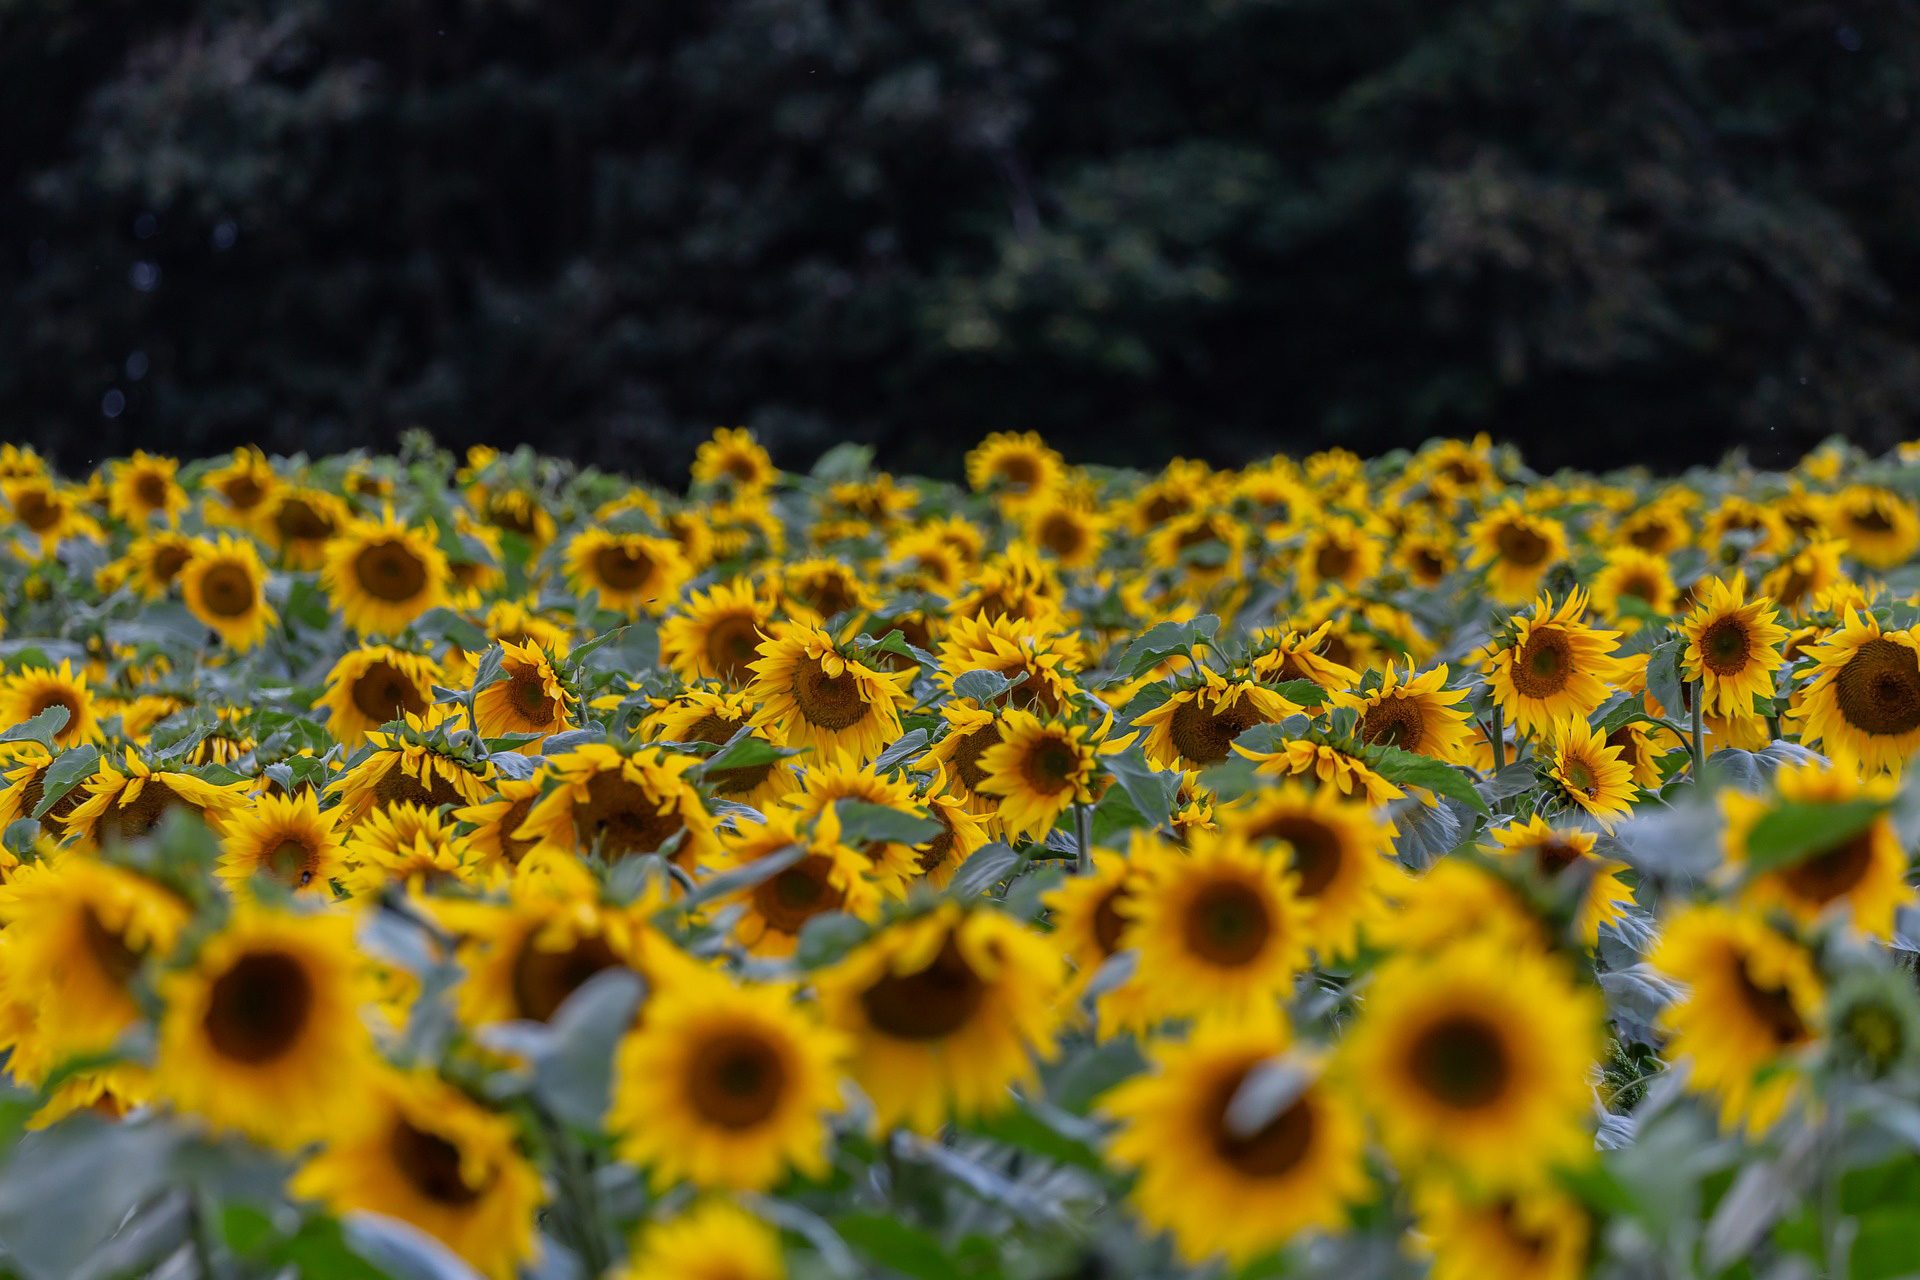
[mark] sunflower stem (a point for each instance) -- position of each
(1696, 687)
(1498, 739)
(1083, 839)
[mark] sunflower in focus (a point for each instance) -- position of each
(734, 458)
(285, 838)
(970, 732)
(940, 858)
(1017, 466)
(1863, 872)
(262, 1033)
(829, 876)
(411, 763)
(715, 634)
(1588, 772)
(1516, 549)
(1733, 646)
(1414, 713)
(1538, 1234)
(1881, 528)
(1552, 665)
(422, 1151)
(224, 584)
(1336, 851)
(1863, 704)
(24, 766)
(817, 696)
(714, 1240)
(1475, 1059)
(716, 715)
(381, 575)
(1333, 767)
(1039, 768)
(373, 685)
(1752, 1006)
(1552, 852)
(527, 699)
(1047, 658)
(29, 691)
(944, 1012)
(143, 487)
(726, 1085)
(1224, 1183)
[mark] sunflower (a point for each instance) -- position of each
(298, 523)
(527, 699)
(1552, 851)
(1863, 704)
(1640, 576)
(408, 764)
(1589, 773)
(714, 1240)
(1456, 899)
(79, 932)
(715, 634)
(1800, 577)
(224, 584)
(1882, 529)
(715, 715)
(288, 838)
(237, 493)
(411, 846)
(939, 859)
(24, 766)
(1016, 584)
(944, 1012)
(520, 512)
(1223, 1184)
(374, 685)
(733, 457)
(601, 799)
(1426, 556)
(381, 575)
(1088, 927)
(1340, 551)
(817, 696)
(1048, 659)
(27, 692)
(1182, 487)
(494, 819)
(1221, 928)
(817, 591)
(830, 877)
(1332, 766)
(1336, 851)
(1414, 713)
(262, 1033)
(143, 487)
(726, 1085)
(1018, 467)
(632, 572)
(1039, 768)
(48, 511)
(1197, 724)
(422, 1151)
(971, 731)
(1069, 533)
(1536, 1234)
(517, 621)
(827, 782)
(1752, 1007)
(1642, 746)
(1206, 548)
(1475, 1059)
(1733, 645)
(1281, 656)
(1552, 665)
(128, 800)
(1864, 873)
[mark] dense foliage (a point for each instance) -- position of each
(1324, 869)
(1659, 227)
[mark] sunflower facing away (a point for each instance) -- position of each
(1863, 704)
(374, 685)
(944, 1013)
(419, 1150)
(1222, 1183)
(1331, 766)
(528, 698)
(381, 575)
(1039, 768)
(1733, 645)
(285, 838)
(1554, 666)
(819, 697)
(1552, 852)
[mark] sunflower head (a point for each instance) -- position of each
(735, 459)
(1516, 548)
(527, 699)
(828, 876)
(381, 575)
(1859, 870)
(27, 692)
(1863, 704)
(819, 696)
(633, 573)
(374, 685)
(1038, 768)
(1019, 467)
(713, 1240)
(1588, 773)
(288, 839)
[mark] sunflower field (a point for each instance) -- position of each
(429, 868)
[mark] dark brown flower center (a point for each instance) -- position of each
(1334, 561)
(259, 1007)
(1544, 663)
(966, 756)
(383, 692)
(1832, 873)
(1204, 737)
(431, 1165)
(1227, 923)
(623, 567)
(1878, 690)
(151, 489)
(168, 560)
(1394, 721)
(829, 702)
(927, 1004)
(37, 510)
(1462, 1062)
(1726, 646)
(1552, 856)
(397, 786)
(1772, 1007)
(1062, 534)
(542, 980)
(242, 491)
(1520, 545)
(1270, 1151)
(390, 571)
(109, 949)
(228, 591)
(527, 691)
(143, 815)
(798, 894)
(298, 520)
(737, 1080)
(1318, 853)
(621, 818)
(1049, 765)
(1109, 926)
(733, 641)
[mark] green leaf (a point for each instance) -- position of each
(68, 770)
(1304, 692)
(1161, 641)
(732, 881)
(895, 1246)
(745, 752)
(40, 729)
(904, 749)
(863, 823)
(1790, 832)
(1406, 768)
(1146, 787)
(985, 867)
(984, 686)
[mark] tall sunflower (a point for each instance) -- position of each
(819, 697)
(1226, 1185)
(1198, 722)
(715, 634)
(830, 876)
(944, 1012)
(127, 799)
(1882, 528)
(726, 1085)
(1552, 665)
(1414, 713)
(381, 575)
(1752, 1009)
(1863, 876)
(632, 572)
(262, 1033)
(27, 692)
(1475, 1059)
(419, 1150)
(1516, 549)
(1280, 656)
(1863, 703)
(528, 698)
(601, 799)
(224, 584)
(373, 685)
(237, 493)
(1553, 852)
(1336, 850)
(1039, 768)
(1733, 645)
(735, 458)
(714, 1240)
(287, 838)
(970, 732)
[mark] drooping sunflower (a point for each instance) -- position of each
(128, 799)
(1753, 1004)
(1553, 851)
(24, 766)
(413, 847)
(1537, 1234)
(1636, 575)
(1336, 851)
(411, 763)
(298, 522)
(601, 799)
(819, 697)
(420, 1150)
(374, 685)
(632, 572)
(1224, 1184)
(1221, 928)
(726, 1085)
(79, 931)
(1882, 528)
(829, 877)
(940, 858)
(1038, 768)
(288, 838)
(715, 634)
(714, 1240)
(970, 732)
(1331, 766)
(1280, 656)
(1863, 703)
(1198, 722)
(224, 584)
(527, 699)
(143, 487)
(27, 692)
(1018, 466)
(1414, 713)
(237, 493)
(1475, 1060)
(1863, 874)
(380, 575)
(1589, 773)
(1516, 548)
(1733, 645)
(1553, 665)
(944, 1012)
(262, 1033)
(735, 458)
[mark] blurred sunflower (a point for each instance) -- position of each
(1798, 578)
(127, 799)
(237, 493)
(1863, 703)
(27, 692)
(380, 575)
(224, 584)
(715, 634)
(1516, 549)
(735, 458)
(1088, 927)
(632, 572)
(1536, 1234)
(1340, 551)
(1865, 871)
(1336, 851)
(1640, 576)
(1553, 852)
(290, 839)
(819, 697)
(1881, 528)
(1069, 533)
(143, 487)
(829, 876)
(373, 685)
(713, 1240)
(298, 522)
(1019, 467)
(620, 804)
(152, 562)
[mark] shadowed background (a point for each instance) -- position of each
(1609, 230)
